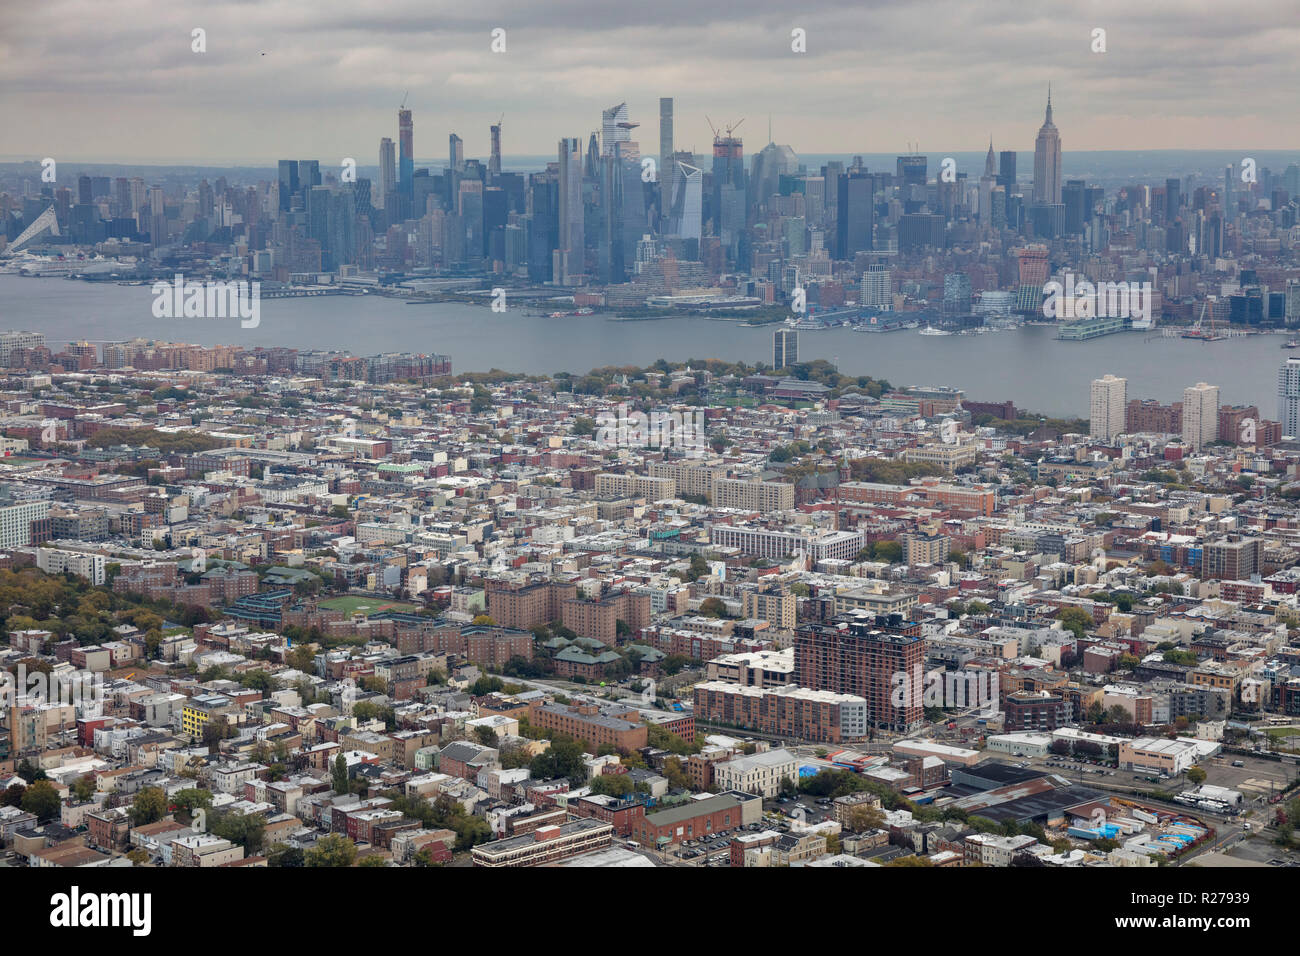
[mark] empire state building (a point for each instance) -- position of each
(1047, 160)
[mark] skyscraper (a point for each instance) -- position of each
(1074, 198)
(157, 217)
(1173, 199)
(387, 169)
(685, 213)
(1047, 160)
(1032, 269)
(956, 294)
(1288, 397)
(568, 268)
(877, 288)
(1291, 303)
(543, 224)
(406, 169)
(1007, 168)
(1109, 402)
(665, 134)
(987, 184)
(494, 160)
(288, 180)
(728, 199)
(615, 127)
(308, 174)
(122, 197)
(455, 153)
(1200, 414)
(855, 213)
(910, 170)
(785, 348)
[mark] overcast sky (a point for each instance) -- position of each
(86, 80)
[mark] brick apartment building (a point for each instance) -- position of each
(982, 501)
(857, 658)
(529, 605)
(594, 725)
(599, 619)
(1035, 710)
(798, 712)
(622, 815)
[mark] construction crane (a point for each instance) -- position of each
(402, 105)
(1198, 332)
(728, 129)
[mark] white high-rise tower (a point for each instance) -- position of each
(1288, 397)
(1200, 414)
(1109, 402)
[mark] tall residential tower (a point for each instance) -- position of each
(1109, 401)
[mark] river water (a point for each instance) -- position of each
(1029, 366)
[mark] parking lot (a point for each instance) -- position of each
(712, 850)
(778, 814)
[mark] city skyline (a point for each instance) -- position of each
(336, 83)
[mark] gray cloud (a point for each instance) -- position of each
(89, 81)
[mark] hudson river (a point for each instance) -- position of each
(1030, 366)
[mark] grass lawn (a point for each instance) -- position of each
(349, 604)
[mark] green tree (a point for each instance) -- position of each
(612, 785)
(339, 775)
(1075, 620)
(424, 857)
(284, 855)
(657, 736)
(300, 657)
(864, 817)
(149, 806)
(83, 788)
(562, 759)
(333, 849)
(42, 800)
(191, 798)
(258, 680)
(246, 829)
(30, 772)
(713, 607)
(676, 774)
(890, 551)
(214, 731)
